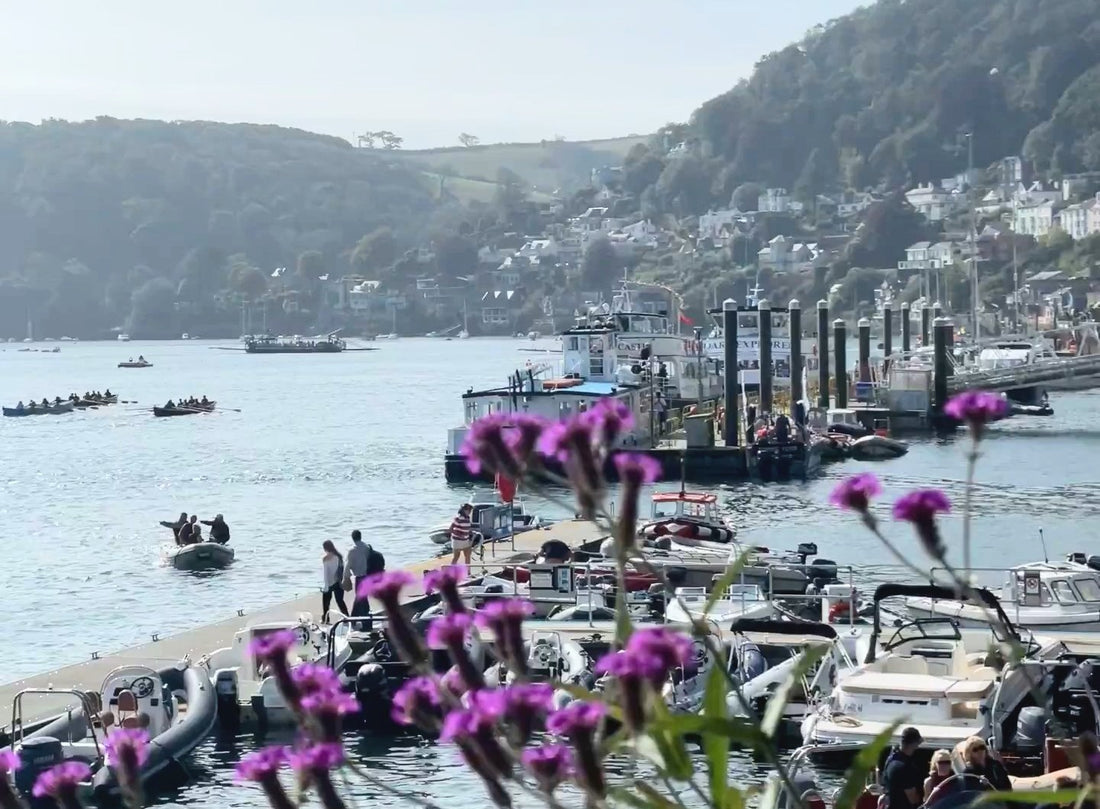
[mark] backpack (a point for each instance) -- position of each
(376, 562)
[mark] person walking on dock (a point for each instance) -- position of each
(333, 564)
(460, 534)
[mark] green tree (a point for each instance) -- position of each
(246, 279)
(746, 197)
(375, 251)
(600, 266)
(153, 311)
(455, 256)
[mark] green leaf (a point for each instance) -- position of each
(670, 744)
(865, 761)
(736, 729)
(655, 797)
(621, 794)
(728, 577)
(777, 703)
(623, 625)
(716, 746)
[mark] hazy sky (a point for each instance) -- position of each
(427, 69)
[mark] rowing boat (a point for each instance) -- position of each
(64, 407)
(85, 403)
(183, 411)
(135, 365)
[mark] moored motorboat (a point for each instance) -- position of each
(689, 604)
(687, 517)
(39, 410)
(176, 706)
(201, 556)
(876, 447)
(493, 520)
(183, 410)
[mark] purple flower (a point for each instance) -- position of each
(977, 408)
(469, 722)
(523, 706)
(316, 758)
(670, 649)
(636, 469)
(273, 644)
(856, 492)
(573, 444)
(60, 782)
(632, 670)
(454, 681)
(504, 619)
(386, 586)
(502, 443)
(523, 437)
(262, 764)
(330, 704)
(920, 508)
(314, 678)
(550, 765)
(436, 581)
(9, 761)
(472, 730)
(127, 748)
(576, 717)
(609, 419)
(417, 702)
(449, 630)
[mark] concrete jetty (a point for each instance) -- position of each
(194, 643)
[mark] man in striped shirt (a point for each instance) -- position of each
(460, 534)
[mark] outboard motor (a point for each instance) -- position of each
(228, 693)
(806, 550)
(657, 601)
(372, 692)
(35, 757)
(822, 569)
(1030, 731)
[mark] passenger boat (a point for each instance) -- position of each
(176, 705)
(201, 556)
(39, 410)
(687, 517)
(295, 345)
(189, 410)
(247, 694)
(133, 364)
(1041, 596)
(930, 674)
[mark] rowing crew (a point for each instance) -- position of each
(46, 404)
(188, 530)
(189, 404)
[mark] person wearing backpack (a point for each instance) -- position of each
(333, 565)
(901, 778)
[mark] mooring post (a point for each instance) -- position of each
(940, 364)
(840, 369)
(794, 333)
(925, 324)
(937, 310)
(823, 355)
(764, 313)
(906, 327)
(888, 332)
(729, 335)
(949, 339)
(864, 327)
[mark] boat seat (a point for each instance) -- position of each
(904, 664)
(127, 707)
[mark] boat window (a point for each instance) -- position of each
(1088, 589)
(1044, 594)
(572, 344)
(1062, 591)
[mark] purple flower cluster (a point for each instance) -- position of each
(649, 656)
(417, 702)
(61, 781)
(976, 409)
(504, 619)
(445, 581)
(918, 507)
(386, 588)
(855, 493)
(503, 443)
(550, 765)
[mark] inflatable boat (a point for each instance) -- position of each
(176, 706)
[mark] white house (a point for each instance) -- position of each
(932, 202)
(1033, 220)
(712, 222)
(919, 257)
(1094, 216)
(943, 253)
(854, 204)
(534, 249)
(1036, 193)
(774, 200)
(1074, 219)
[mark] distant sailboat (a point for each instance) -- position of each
(462, 335)
(393, 335)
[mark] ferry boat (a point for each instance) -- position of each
(295, 345)
(748, 342)
(630, 350)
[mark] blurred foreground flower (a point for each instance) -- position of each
(920, 508)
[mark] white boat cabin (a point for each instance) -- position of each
(696, 506)
(1059, 584)
(235, 668)
(1014, 353)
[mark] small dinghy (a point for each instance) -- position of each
(201, 556)
(877, 447)
(176, 706)
(133, 364)
(493, 521)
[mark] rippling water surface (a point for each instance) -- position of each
(322, 445)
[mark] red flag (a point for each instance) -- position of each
(687, 321)
(506, 487)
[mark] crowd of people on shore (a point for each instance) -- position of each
(345, 573)
(188, 530)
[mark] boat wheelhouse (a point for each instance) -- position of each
(687, 517)
(748, 345)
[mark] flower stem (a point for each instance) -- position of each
(971, 465)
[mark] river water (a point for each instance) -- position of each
(325, 444)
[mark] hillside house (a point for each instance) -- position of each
(852, 204)
(712, 222)
(1077, 186)
(1074, 219)
(535, 249)
(500, 309)
(774, 200)
(1036, 193)
(1033, 220)
(918, 256)
(932, 202)
(1094, 216)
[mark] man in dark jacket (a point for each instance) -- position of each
(219, 530)
(902, 778)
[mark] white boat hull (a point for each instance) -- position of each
(201, 556)
(1044, 620)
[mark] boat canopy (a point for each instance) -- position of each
(700, 498)
(775, 627)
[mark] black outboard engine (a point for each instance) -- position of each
(822, 569)
(1030, 731)
(227, 692)
(35, 757)
(657, 597)
(372, 691)
(806, 550)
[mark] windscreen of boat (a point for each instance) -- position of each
(1063, 592)
(924, 629)
(1087, 588)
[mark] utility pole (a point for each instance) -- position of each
(973, 233)
(1015, 273)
